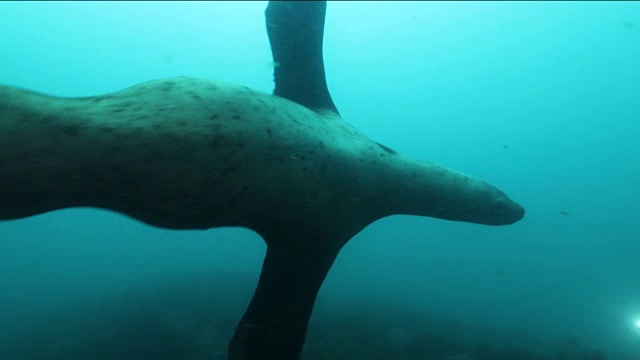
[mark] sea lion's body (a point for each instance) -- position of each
(187, 153)
(177, 153)
(195, 154)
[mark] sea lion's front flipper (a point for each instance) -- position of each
(275, 324)
(296, 30)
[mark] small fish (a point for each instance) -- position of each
(565, 213)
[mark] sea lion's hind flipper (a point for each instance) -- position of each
(296, 30)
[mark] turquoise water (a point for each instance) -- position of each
(541, 99)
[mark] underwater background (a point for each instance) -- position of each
(540, 98)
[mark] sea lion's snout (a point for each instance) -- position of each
(519, 213)
(507, 211)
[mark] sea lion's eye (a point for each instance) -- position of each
(498, 207)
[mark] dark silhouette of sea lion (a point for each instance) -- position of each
(185, 153)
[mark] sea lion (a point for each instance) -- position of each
(186, 153)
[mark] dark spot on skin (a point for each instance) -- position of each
(256, 109)
(241, 145)
(293, 119)
(269, 131)
(387, 149)
(118, 110)
(236, 117)
(167, 86)
(194, 95)
(213, 117)
(304, 169)
(212, 145)
(414, 174)
(303, 158)
(182, 123)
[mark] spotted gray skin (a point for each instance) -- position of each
(186, 153)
